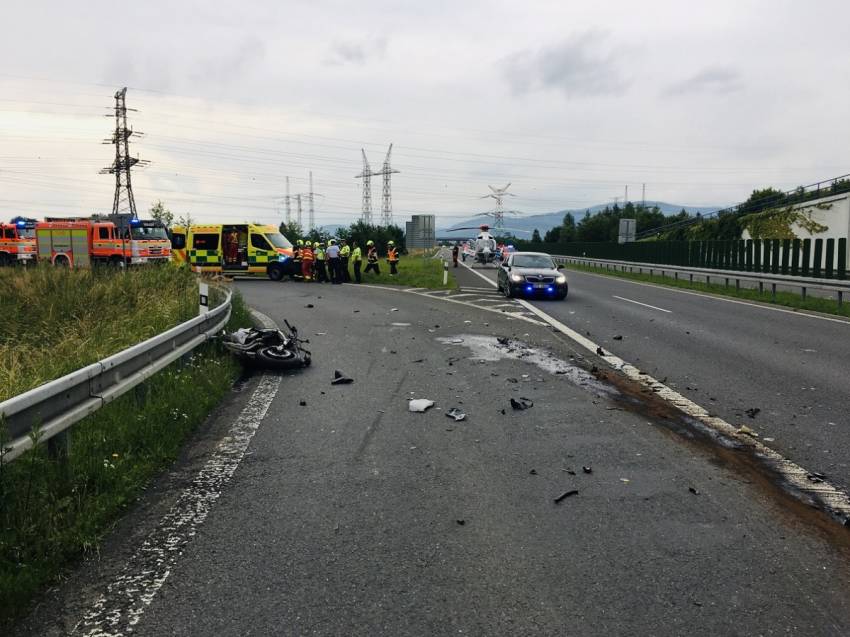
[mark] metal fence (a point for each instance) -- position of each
(49, 410)
(818, 258)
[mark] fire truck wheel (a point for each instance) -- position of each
(275, 272)
(61, 261)
(116, 262)
(4, 259)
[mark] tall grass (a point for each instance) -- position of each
(421, 271)
(56, 321)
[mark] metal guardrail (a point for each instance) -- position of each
(53, 407)
(839, 287)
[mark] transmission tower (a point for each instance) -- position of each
(288, 204)
(498, 213)
(298, 205)
(124, 202)
(311, 217)
(366, 176)
(387, 199)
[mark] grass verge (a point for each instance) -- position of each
(786, 299)
(53, 512)
(414, 271)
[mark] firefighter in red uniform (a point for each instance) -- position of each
(307, 261)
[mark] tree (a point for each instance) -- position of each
(185, 220)
(535, 236)
(553, 235)
(162, 214)
(291, 231)
(362, 232)
(568, 228)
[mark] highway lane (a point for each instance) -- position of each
(350, 515)
(729, 357)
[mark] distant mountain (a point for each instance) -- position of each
(524, 226)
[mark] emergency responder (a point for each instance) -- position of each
(344, 255)
(307, 261)
(321, 270)
(356, 259)
(372, 258)
(455, 251)
(231, 254)
(332, 254)
(296, 257)
(392, 257)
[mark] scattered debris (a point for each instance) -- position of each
(565, 495)
(320, 333)
(309, 305)
(503, 412)
(587, 469)
(418, 360)
(816, 477)
(457, 340)
(625, 480)
(522, 403)
(752, 412)
(747, 431)
(302, 403)
(503, 340)
(468, 322)
(570, 471)
(341, 379)
(400, 324)
(511, 380)
(393, 309)
(455, 413)
(461, 522)
(533, 472)
(693, 490)
(618, 337)
(356, 311)
(419, 404)
(769, 439)
(600, 351)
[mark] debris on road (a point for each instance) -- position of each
(625, 480)
(816, 477)
(341, 379)
(522, 403)
(393, 309)
(455, 413)
(302, 403)
(418, 360)
(752, 412)
(461, 522)
(533, 472)
(419, 404)
(570, 471)
(693, 490)
(743, 429)
(309, 305)
(618, 337)
(457, 340)
(600, 351)
(587, 469)
(565, 495)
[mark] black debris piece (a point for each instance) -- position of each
(503, 340)
(533, 472)
(392, 351)
(341, 379)
(693, 490)
(522, 403)
(600, 351)
(418, 360)
(618, 337)
(455, 413)
(565, 495)
(309, 305)
(816, 477)
(594, 370)
(303, 403)
(356, 311)
(587, 469)
(511, 380)
(752, 412)
(503, 412)
(570, 471)
(461, 522)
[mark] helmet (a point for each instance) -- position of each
(390, 243)
(332, 242)
(301, 242)
(316, 244)
(370, 243)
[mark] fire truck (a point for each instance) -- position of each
(17, 241)
(107, 239)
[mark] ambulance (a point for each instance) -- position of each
(17, 242)
(232, 249)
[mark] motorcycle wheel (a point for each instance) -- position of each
(281, 358)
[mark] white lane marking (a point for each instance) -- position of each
(719, 298)
(660, 309)
(836, 501)
(127, 597)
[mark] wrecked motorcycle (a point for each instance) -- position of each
(270, 348)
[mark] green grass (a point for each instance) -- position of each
(786, 299)
(414, 271)
(52, 513)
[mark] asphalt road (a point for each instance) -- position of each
(727, 356)
(349, 515)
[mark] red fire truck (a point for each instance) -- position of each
(17, 241)
(113, 239)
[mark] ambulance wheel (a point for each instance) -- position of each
(275, 272)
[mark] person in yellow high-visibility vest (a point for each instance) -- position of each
(356, 260)
(344, 256)
(392, 257)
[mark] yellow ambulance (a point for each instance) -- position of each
(232, 249)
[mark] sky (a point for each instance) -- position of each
(570, 102)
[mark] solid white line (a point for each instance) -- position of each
(127, 597)
(717, 297)
(836, 501)
(660, 309)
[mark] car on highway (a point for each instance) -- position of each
(532, 274)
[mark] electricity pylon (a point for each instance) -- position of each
(366, 176)
(386, 198)
(498, 213)
(123, 202)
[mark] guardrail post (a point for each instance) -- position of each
(802, 291)
(761, 287)
(737, 284)
(840, 298)
(58, 447)
(773, 292)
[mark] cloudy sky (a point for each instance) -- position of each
(569, 101)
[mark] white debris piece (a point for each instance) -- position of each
(420, 404)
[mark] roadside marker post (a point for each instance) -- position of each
(445, 273)
(203, 298)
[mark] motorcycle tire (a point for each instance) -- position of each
(281, 358)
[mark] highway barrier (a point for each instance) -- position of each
(815, 258)
(45, 413)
